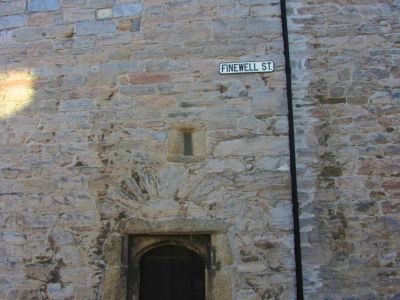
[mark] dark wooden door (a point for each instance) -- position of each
(172, 273)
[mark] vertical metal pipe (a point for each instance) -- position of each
(292, 149)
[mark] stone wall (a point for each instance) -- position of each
(345, 59)
(93, 94)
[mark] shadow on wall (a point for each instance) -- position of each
(16, 92)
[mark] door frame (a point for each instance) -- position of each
(139, 245)
(219, 283)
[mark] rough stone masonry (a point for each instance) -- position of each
(97, 98)
(346, 57)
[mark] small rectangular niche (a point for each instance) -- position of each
(186, 143)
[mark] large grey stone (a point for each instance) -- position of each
(95, 27)
(127, 10)
(12, 7)
(43, 5)
(12, 21)
(13, 237)
(58, 291)
(251, 146)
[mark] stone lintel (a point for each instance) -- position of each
(175, 226)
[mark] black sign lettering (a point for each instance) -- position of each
(264, 66)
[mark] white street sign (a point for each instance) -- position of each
(246, 67)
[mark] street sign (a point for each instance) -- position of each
(246, 67)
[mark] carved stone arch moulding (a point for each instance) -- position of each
(124, 249)
(138, 245)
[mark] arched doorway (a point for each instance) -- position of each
(172, 272)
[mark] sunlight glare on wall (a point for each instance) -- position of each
(16, 92)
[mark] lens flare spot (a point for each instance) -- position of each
(16, 92)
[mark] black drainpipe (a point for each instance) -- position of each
(292, 149)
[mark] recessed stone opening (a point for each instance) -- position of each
(123, 251)
(186, 142)
(172, 273)
(169, 267)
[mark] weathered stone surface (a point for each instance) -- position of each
(12, 7)
(12, 21)
(73, 15)
(95, 27)
(101, 3)
(127, 10)
(140, 226)
(56, 291)
(222, 283)
(61, 237)
(244, 147)
(105, 13)
(345, 112)
(43, 5)
(13, 237)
